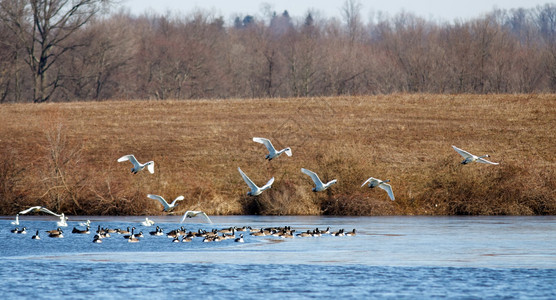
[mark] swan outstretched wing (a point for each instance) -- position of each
(268, 184)
(249, 182)
(462, 152)
(179, 198)
(160, 199)
(288, 151)
(205, 216)
(150, 167)
(194, 213)
(370, 180)
(129, 157)
(313, 176)
(484, 161)
(46, 210)
(267, 144)
(30, 209)
(388, 189)
(38, 209)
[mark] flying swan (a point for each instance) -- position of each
(137, 166)
(167, 207)
(63, 218)
(373, 182)
(272, 153)
(469, 158)
(255, 190)
(319, 186)
(194, 213)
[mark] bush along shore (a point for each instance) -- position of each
(64, 155)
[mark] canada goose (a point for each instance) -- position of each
(327, 231)
(132, 238)
(239, 239)
(305, 234)
(97, 239)
(55, 231)
(469, 158)
(272, 153)
(63, 218)
(104, 232)
(137, 166)
(194, 213)
(176, 239)
(147, 222)
(174, 233)
(255, 190)
(351, 233)
(287, 234)
(16, 222)
(186, 239)
(339, 233)
(56, 234)
(259, 233)
(126, 231)
(22, 231)
(36, 236)
(201, 233)
(227, 230)
(135, 235)
(86, 224)
(373, 182)
(319, 185)
(167, 207)
(14, 230)
(79, 231)
(157, 232)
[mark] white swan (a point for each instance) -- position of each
(194, 213)
(147, 222)
(255, 190)
(319, 186)
(137, 166)
(469, 158)
(63, 218)
(373, 182)
(272, 153)
(167, 207)
(16, 222)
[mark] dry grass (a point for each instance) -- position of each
(64, 155)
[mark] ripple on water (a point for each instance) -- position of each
(391, 258)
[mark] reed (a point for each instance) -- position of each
(63, 155)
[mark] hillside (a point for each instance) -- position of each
(63, 155)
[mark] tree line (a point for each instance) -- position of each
(61, 50)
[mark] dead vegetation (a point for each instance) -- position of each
(63, 156)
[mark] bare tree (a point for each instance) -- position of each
(44, 27)
(352, 15)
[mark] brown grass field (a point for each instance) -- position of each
(63, 156)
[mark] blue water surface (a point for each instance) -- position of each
(389, 258)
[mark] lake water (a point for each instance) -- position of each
(389, 258)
